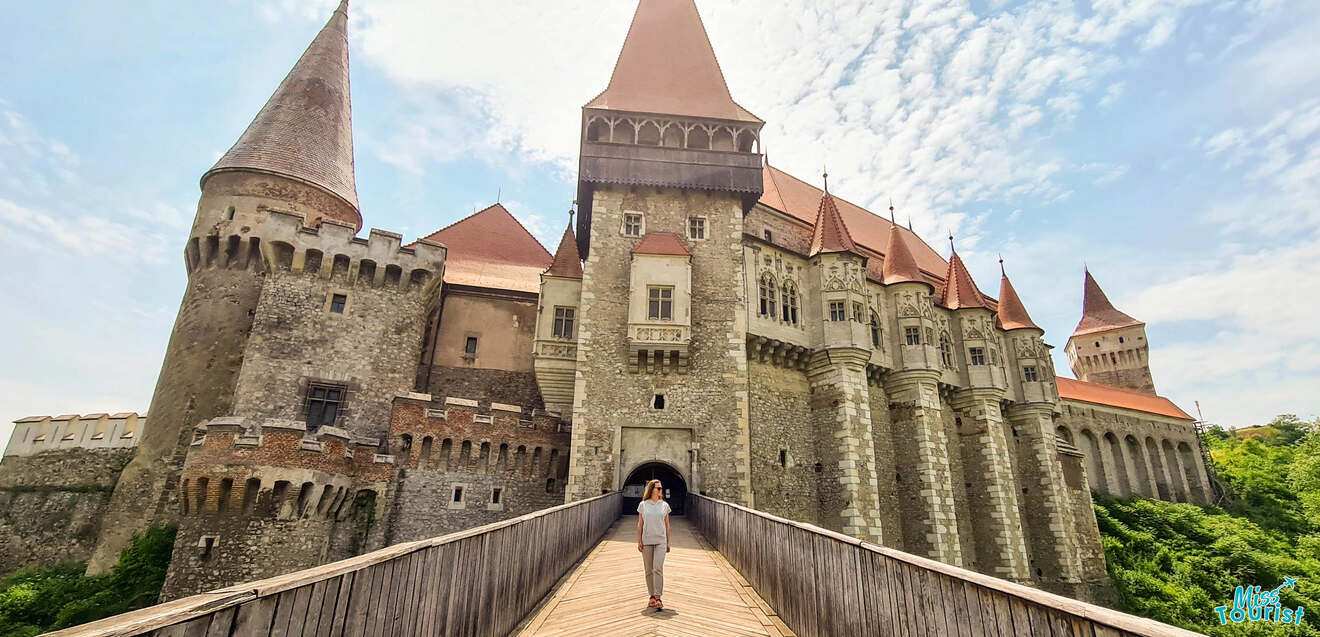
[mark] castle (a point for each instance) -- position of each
(706, 318)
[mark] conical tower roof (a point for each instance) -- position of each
(960, 291)
(1098, 314)
(305, 132)
(567, 262)
(667, 66)
(899, 266)
(1012, 313)
(830, 233)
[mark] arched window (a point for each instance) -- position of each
(875, 330)
(768, 296)
(946, 350)
(790, 303)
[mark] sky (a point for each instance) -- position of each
(1171, 146)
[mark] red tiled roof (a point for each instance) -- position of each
(1012, 313)
(305, 130)
(1070, 389)
(830, 234)
(667, 66)
(662, 243)
(900, 266)
(567, 262)
(801, 200)
(1098, 314)
(491, 249)
(960, 291)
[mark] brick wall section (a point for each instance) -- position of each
(52, 504)
(780, 413)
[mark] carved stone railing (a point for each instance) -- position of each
(481, 581)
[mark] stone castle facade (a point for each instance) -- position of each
(706, 318)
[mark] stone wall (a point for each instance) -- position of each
(780, 421)
(1155, 456)
(53, 503)
(484, 385)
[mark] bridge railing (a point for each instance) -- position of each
(825, 583)
(481, 581)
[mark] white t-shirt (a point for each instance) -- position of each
(653, 521)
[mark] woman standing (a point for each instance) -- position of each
(653, 539)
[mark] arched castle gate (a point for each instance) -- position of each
(634, 487)
(663, 452)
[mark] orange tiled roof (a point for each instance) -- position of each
(667, 66)
(491, 249)
(1012, 313)
(662, 243)
(800, 200)
(1098, 314)
(1071, 389)
(900, 266)
(960, 291)
(567, 261)
(830, 234)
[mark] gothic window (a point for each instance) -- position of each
(696, 227)
(660, 303)
(790, 303)
(976, 355)
(913, 335)
(946, 351)
(875, 330)
(323, 404)
(632, 224)
(564, 320)
(837, 311)
(768, 296)
(1029, 374)
(337, 303)
(858, 312)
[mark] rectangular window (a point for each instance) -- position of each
(564, 319)
(458, 494)
(337, 303)
(976, 355)
(324, 402)
(470, 347)
(913, 335)
(1029, 374)
(660, 303)
(495, 495)
(696, 227)
(632, 225)
(837, 311)
(769, 236)
(858, 311)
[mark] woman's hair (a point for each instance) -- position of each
(650, 486)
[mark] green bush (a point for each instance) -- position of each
(35, 600)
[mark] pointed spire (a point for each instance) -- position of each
(960, 291)
(899, 266)
(567, 262)
(830, 233)
(1012, 313)
(667, 66)
(304, 132)
(1098, 314)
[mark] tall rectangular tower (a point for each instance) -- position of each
(669, 166)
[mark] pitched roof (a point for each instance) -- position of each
(491, 249)
(567, 262)
(801, 200)
(960, 291)
(830, 234)
(1012, 313)
(1070, 389)
(666, 243)
(667, 66)
(1098, 314)
(305, 130)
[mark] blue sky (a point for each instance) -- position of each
(1173, 146)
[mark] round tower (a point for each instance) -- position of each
(296, 156)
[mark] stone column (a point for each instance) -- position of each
(992, 496)
(1047, 511)
(841, 410)
(921, 449)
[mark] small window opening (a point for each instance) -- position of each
(337, 303)
(658, 402)
(769, 236)
(819, 467)
(1120, 339)
(550, 485)
(208, 543)
(470, 347)
(837, 311)
(976, 355)
(324, 402)
(458, 494)
(632, 225)
(783, 457)
(912, 335)
(495, 495)
(660, 303)
(1029, 374)
(697, 227)
(230, 213)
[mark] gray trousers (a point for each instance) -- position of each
(653, 564)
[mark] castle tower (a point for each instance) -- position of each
(987, 456)
(555, 350)
(1108, 346)
(296, 156)
(669, 166)
(837, 374)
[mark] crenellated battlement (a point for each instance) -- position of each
(35, 434)
(464, 435)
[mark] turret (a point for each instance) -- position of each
(295, 157)
(1026, 348)
(976, 322)
(912, 294)
(1108, 346)
(841, 268)
(555, 350)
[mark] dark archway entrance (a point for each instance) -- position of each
(635, 486)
